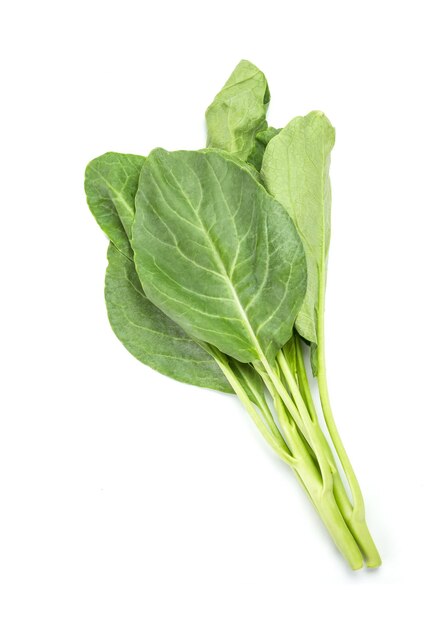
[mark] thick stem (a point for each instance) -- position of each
(321, 491)
(293, 451)
(259, 400)
(339, 531)
(316, 437)
(277, 444)
(297, 443)
(323, 500)
(298, 411)
(339, 491)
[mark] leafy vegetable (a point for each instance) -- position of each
(217, 277)
(238, 111)
(151, 336)
(262, 139)
(295, 170)
(111, 182)
(207, 239)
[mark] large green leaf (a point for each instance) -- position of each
(149, 334)
(238, 111)
(111, 182)
(295, 171)
(217, 253)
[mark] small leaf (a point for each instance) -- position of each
(262, 139)
(111, 182)
(151, 336)
(290, 353)
(217, 253)
(238, 111)
(295, 171)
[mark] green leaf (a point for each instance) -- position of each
(238, 111)
(295, 171)
(111, 182)
(243, 164)
(290, 352)
(250, 380)
(217, 253)
(262, 139)
(151, 336)
(145, 331)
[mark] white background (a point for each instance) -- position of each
(129, 499)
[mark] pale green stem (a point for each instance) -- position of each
(313, 429)
(358, 515)
(260, 401)
(289, 421)
(323, 498)
(358, 528)
(323, 502)
(304, 385)
(295, 441)
(278, 445)
(338, 486)
(303, 465)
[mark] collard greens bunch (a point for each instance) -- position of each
(216, 277)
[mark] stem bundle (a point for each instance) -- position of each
(293, 430)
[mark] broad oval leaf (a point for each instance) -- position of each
(150, 335)
(238, 111)
(147, 333)
(295, 170)
(111, 182)
(217, 253)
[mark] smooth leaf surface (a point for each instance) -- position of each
(149, 334)
(217, 253)
(295, 171)
(111, 182)
(238, 111)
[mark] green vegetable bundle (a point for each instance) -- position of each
(217, 273)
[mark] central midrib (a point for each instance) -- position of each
(224, 272)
